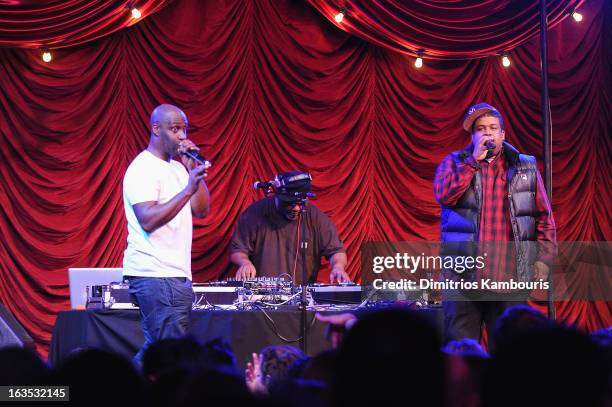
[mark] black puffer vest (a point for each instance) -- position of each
(459, 223)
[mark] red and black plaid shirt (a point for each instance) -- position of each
(454, 178)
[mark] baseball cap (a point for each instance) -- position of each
(474, 112)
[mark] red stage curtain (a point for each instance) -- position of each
(66, 23)
(271, 86)
(461, 29)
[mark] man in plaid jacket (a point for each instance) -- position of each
(491, 193)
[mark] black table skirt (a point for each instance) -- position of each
(119, 331)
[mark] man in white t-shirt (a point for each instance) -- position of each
(160, 196)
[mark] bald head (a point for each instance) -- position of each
(165, 114)
(168, 131)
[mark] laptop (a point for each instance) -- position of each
(80, 278)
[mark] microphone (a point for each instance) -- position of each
(490, 145)
(197, 157)
(263, 184)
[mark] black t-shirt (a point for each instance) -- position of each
(271, 241)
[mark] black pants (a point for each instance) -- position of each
(464, 319)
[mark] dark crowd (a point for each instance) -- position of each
(388, 357)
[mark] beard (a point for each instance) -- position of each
(291, 216)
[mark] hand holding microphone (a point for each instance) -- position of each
(490, 146)
(484, 149)
(197, 165)
(188, 149)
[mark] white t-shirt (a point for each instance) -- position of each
(165, 252)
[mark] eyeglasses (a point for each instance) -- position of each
(295, 203)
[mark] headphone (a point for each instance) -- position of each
(280, 181)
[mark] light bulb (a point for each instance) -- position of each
(577, 16)
(136, 13)
(505, 61)
(418, 62)
(46, 56)
(339, 17)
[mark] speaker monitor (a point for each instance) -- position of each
(11, 331)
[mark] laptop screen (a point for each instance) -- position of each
(80, 278)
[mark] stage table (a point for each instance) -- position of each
(119, 331)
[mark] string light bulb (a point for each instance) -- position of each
(340, 16)
(46, 55)
(505, 61)
(418, 63)
(575, 15)
(136, 14)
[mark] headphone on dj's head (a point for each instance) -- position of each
(282, 181)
